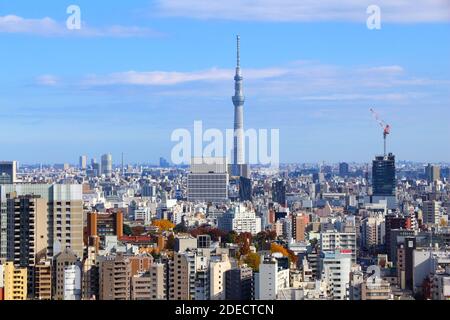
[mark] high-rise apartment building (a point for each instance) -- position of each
(270, 279)
(141, 286)
(64, 216)
(27, 239)
(182, 272)
(15, 282)
(27, 229)
(208, 180)
(336, 267)
(431, 212)
(158, 281)
(218, 265)
(115, 278)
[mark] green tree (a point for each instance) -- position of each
(127, 230)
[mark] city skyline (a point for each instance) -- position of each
(315, 80)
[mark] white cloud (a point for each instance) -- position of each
(299, 81)
(51, 28)
(403, 11)
(47, 80)
(158, 78)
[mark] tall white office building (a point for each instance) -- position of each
(336, 267)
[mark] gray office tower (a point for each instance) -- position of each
(383, 180)
(208, 180)
(238, 167)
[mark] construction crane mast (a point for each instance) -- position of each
(386, 128)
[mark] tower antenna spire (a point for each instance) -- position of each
(238, 49)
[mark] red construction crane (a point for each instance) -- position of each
(384, 125)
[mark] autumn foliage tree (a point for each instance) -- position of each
(253, 260)
(163, 225)
(285, 252)
(214, 233)
(137, 230)
(264, 238)
(244, 240)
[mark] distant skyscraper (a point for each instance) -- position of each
(83, 162)
(432, 172)
(107, 165)
(239, 168)
(279, 192)
(245, 189)
(163, 163)
(8, 171)
(343, 169)
(383, 176)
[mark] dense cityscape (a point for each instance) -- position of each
(213, 230)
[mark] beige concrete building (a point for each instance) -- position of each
(66, 220)
(115, 278)
(64, 215)
(158, 282)
(141, 286)
(182, 276)
(218, 265)
(15, 282)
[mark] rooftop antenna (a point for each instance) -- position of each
(386, 128)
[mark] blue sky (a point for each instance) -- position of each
(137, 70)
